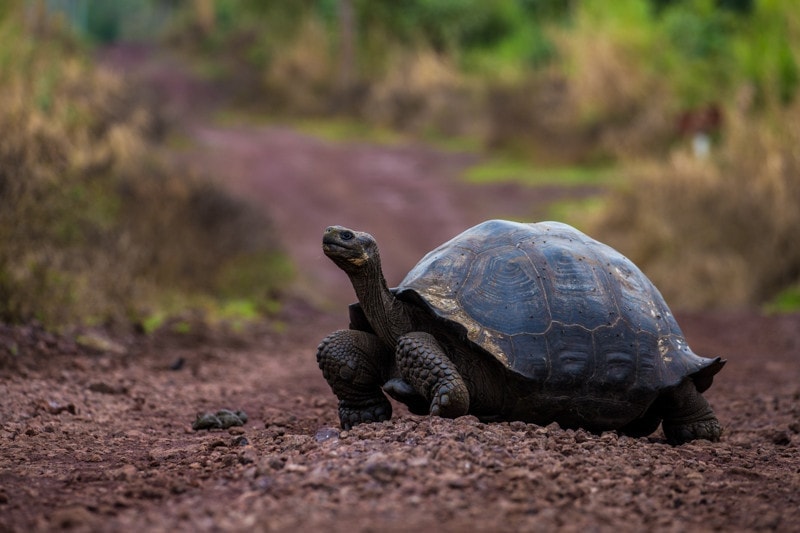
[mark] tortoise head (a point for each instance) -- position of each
(353, 251)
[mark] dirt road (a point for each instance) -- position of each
(103, 441)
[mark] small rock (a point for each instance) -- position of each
(417, 462)
(97, 342)
(240, 441)
(695, 476)
(222, 419)
(454, 480)
(205, 421)
(219, 443)
(70, 517)
(247, 457)
(381, 471)
(125, 473)
(230, 418)
(265, 483)
(326, 434)
(781, 437)
(55, 408)
(553, 427)
(280, 419)
(104, 388)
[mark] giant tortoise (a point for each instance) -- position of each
(512, 321)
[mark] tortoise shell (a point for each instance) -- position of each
(557, 307)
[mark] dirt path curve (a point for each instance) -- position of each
(410, 197)
(102, 441)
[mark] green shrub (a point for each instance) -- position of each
(766, 51)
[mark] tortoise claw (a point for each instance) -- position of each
(376, 410)
(450, 401)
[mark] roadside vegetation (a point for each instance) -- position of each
(693, 103)
(95, 226)
(685, 110)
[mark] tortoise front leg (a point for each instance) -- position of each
(423, 364)
(351, 362)
(688, 416)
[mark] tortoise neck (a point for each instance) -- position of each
(386, 314)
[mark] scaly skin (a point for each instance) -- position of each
(425, 367)
(406, 394)
(688, 416)
(352, 363)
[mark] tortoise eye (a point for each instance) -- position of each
(347, 235)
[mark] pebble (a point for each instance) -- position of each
(326, 434)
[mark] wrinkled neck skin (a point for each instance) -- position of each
(386, 314)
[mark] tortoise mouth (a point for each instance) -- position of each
(333, 245)
(332, 248)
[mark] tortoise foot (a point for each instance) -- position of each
(709, 429)
(376, 410)
(451, 400)
(688, 416)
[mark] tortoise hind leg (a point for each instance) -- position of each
(351, 362)
(688, 416)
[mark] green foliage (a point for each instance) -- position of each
(698, 39)
(487, 36)
(347, 130)
(581, 213)
(787, 301)
(768, 50)
(498, 170)
(101, 21)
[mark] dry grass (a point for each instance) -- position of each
(723, 231)
(93, 227)
(616, 91)
(301, 77)
(425, 91)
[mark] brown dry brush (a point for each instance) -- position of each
(722, 231)
(93, 225)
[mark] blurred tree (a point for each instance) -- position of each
(104, 20)
(552, 9)
(739, 6)
(205, 16)
(347, 38)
